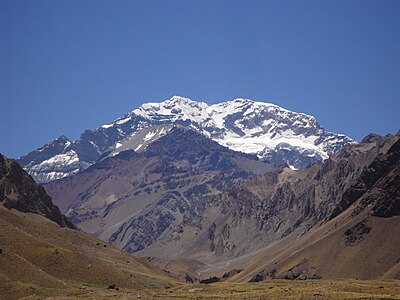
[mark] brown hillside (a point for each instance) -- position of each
(39, 257)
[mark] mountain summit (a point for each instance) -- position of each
(274, 134)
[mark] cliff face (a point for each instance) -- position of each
(19, 191)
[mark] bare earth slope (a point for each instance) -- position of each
(38, 256)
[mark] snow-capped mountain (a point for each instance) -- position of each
(277, 135)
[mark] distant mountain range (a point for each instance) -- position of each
(276, 135)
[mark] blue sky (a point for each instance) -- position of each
(66, 66)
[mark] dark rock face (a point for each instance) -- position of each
(213, 279)
(386, 192)
(19, 191)
(231, 273)
(356, 233)
(189, 279)
(370, 138)
(297, 272)
(379, 183)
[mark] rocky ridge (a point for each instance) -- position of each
(19, 191)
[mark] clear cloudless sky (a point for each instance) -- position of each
(66, 66)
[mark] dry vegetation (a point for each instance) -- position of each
(39, 257)
(275, 289)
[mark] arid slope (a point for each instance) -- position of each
(42, 257)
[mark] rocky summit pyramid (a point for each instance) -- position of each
(274, 134)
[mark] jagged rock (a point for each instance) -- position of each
(356, 233)
(231, 273)
(263, 275)
(210, 280)
(189, 279)
(19, 191)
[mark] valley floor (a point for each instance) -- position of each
(274, 289)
